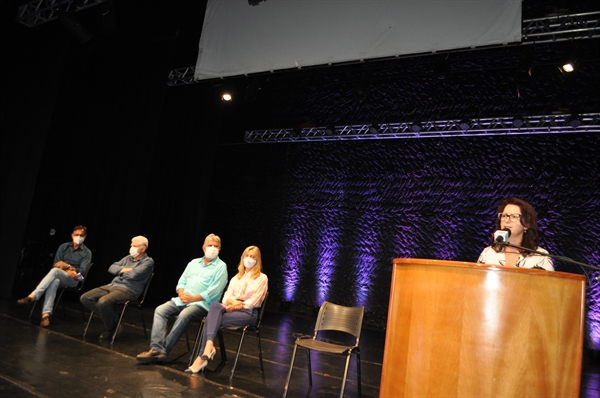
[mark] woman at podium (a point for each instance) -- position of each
(517, 222)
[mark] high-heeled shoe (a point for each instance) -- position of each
(200, 369)
(210, 356)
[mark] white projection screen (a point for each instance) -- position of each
(239, 39)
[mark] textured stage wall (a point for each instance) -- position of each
(330, 217)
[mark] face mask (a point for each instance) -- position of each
(249, 262)
(133, 252)
(211, 252)
(78, 240)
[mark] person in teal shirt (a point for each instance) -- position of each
(201, 284)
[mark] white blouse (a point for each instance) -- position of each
(490, 256)
(251, 291)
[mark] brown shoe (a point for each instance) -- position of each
(45, 322)
(25, 300)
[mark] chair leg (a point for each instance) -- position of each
(114, 336)
(345, 374)
(57, 301)
(222, 346)
(237, 355)
(260, 358)
(87, 325)
(196, 347)
(289, 375)
(32, 308)
(143, 323)
(309, 367)
(358, 373)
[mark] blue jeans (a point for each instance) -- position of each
(102, 300)
(218, 318)
(159, 340)
(54, 279)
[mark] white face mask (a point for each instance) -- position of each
(211, 252)
(249, 262)
(133, 252)
(78, 240)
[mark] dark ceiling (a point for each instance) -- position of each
(491, 82)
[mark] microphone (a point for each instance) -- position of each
(502, 235)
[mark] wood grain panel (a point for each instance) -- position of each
(458, 329)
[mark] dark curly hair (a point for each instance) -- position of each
(528, 220)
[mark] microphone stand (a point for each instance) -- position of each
(560, 258)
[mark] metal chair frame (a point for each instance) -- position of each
(242, 329)
(137, 302)
(75, 289)
(337, 318)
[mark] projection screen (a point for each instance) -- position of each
(239, 39)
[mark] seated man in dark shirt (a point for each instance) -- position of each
(132, 272)
(71, 259)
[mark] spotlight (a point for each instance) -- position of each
(227, 97)
(330, 130)
(574, 120)
(373, 130)
(67, 18)
(464, 124)
(517, 122)
(569, 65)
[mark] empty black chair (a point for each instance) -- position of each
(337, 318)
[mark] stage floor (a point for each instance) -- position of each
(58, 362)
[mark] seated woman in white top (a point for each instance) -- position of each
(520, 218)
(239, 307)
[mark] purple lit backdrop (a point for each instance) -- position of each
(331, 217)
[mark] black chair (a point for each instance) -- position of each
(337, 318)
(242, 330)
(75, 289)
(137, 303)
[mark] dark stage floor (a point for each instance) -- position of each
(58, 362)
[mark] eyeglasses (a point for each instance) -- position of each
(511, 217)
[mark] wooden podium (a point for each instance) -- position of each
(458, 329)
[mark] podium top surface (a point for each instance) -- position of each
(492, 267)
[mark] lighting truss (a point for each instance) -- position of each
(539, 30)
(545, 124)
(562, 27)
(181, 76)
(38, 12)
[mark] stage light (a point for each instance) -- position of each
(67, 18)
(464, 124)
(330, 130)
(517, 122)
(227, 97)
(416, 127)
(569, 65)
(574, 120)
